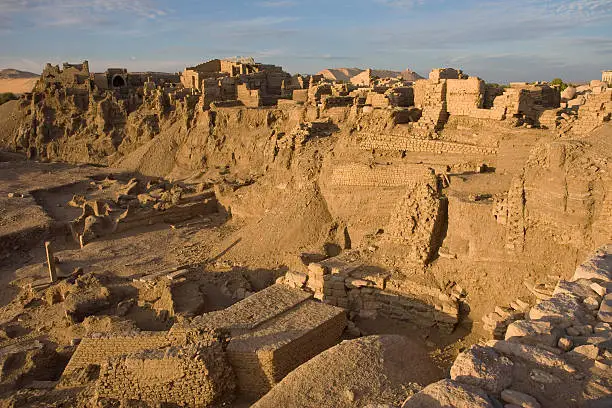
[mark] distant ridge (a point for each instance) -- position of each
(10, 73)
(345, 74)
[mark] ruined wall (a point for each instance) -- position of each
(428, 93)
(380, 176)
(329, 101)
(464, 95)
(69, 76)
(271, 333)
(251, 98)
(258, 368)
(416, 222)
(539, 357)
(400, 200)
(372, 293)
(401, 143)
(475, 228)
(402, 96)
(444, 73)
(196, 375)
(596, 111)
(377, 100)
(95, 351)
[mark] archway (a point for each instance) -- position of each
(118, 81)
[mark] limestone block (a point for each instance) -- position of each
(599, 267)
(448, 393)
(568, 93)
(579, 288)
(531, 353)
(605, 310)
(562, 310)
(520, 399)
(295, 279)
(316, 269)
(589, 351)
(533, 332)
(483, 367)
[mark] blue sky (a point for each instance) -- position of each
(498, 40)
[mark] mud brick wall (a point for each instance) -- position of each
(377, 100)
(428, 93)
(315, 92)
(515, 224)
(96, 351)
(392, 142)
(476, 229)
(336, 101)
(417, 222)
(211, 92)
(380, 176)
(371, 295)
(192, 375)
(258, 367)
(251, 98)
(300, 95)
(443, 73)
(464, 95)
(401, 96)
(433, 117)
(272, 332)
(596, 111)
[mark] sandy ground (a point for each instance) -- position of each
(17, 85)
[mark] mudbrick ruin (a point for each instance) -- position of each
(234, 236)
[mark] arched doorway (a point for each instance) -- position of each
(118, 81)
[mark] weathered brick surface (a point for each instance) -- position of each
(380, 176)
(193, 375)
(402, 143)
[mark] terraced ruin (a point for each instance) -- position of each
(238, 236)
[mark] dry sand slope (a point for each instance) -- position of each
(17, 85)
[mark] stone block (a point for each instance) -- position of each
(520, 399)
(533, 332)
(483, 367)
(605, 309)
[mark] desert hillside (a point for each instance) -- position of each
(345, 74)
(15, 81)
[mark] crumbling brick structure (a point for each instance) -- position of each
(257, 341)
(253, 84)
(272, 332)
(370, 293)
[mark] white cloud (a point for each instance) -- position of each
(587, 7)
(280, 3)
(401, 3)
(82, 13)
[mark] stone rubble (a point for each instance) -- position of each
(556, 339)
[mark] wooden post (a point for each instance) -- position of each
(50, 262)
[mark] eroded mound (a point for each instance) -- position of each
(369, 370)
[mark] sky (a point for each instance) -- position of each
(497, 40)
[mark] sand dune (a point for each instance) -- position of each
(17, 85)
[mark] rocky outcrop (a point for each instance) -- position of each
(557, 356)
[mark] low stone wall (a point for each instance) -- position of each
(372, 294)
(337, 101)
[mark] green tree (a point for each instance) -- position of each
(559, 82)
